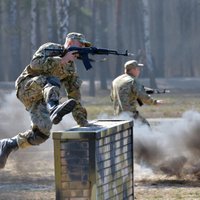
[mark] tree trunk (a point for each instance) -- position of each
(1, 41)
(62, 19)
(159, 42)
(92, 90)
(33, 26)
(15, 40)
(103, 66)
(49, 12)
(147, 43)
(185, 12)
(5, 28)
(119, 35)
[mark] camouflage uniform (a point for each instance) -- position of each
(40, 81)
(125, 92)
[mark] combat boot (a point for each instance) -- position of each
(58, 111)
(6, 147)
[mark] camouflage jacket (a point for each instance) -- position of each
(125, 91)
(43, 63)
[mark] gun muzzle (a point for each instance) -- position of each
(166, 91)
(130, 54)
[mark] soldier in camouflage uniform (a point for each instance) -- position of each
(126, 91)
(38, 88)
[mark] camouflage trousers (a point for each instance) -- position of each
(34, 93)
(80, 115)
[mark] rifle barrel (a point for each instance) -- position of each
(130, 54)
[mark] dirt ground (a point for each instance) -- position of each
(150, 186)
(29, 175)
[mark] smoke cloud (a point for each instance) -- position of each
(170, 147)
(15, 119)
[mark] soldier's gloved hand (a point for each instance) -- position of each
(160, 102)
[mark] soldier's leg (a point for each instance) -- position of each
(79, 112)
(51, 93)
(80, 115)
(41, 126)
(48, 89)
(140, 118)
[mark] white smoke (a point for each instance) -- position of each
(13, 116)
(171, 147)
(15, 119)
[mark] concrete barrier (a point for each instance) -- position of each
(95, 163)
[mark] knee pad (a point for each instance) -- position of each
(37, 137)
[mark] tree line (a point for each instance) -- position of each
(164, 35)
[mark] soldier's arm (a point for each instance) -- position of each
(111, 93)
(43, 61)
(142, 95)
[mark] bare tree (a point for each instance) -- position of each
(62, 18)
(5, 28)
(118, 34)
(33, 25)
(15, 39)
(185, 11)
(1, 41)
(147, 43)
(158, 39)
(92, 89)
(102, 29)
(50, 19)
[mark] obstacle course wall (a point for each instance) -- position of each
(95, 163)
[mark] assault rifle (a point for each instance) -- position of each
(155, 91)
(83, 53)
(152, 91)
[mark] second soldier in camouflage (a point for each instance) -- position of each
(126, 91)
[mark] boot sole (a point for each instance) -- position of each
(62, 110)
